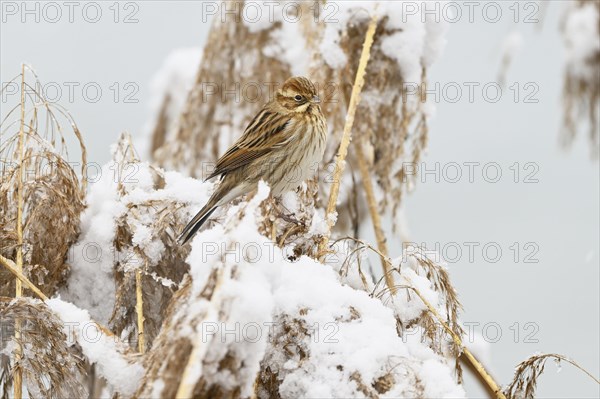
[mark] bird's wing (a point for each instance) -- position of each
(266, 132)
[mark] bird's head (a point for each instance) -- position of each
(298, 94)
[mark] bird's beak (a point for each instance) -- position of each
(316, 100)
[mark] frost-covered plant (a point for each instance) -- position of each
(51, 367)
(34, 157)
(391, 120)
(528, 371)
(118, 367)
(135, 212)
(150, 261)
(581, 91)
(250, 309)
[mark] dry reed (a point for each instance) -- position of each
(51, 199)
(440, 282)
(390, 121)
(190, 362)
(40, 195)
(389, 133)
(141, 295)
(581, 87)
(50, 365)
(528, 371)
(347, 132)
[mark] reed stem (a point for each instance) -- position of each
(373, 211)
(18, 376)
(340, 163)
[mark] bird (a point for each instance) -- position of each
(282, 145)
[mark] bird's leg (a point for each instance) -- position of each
(291, 218)
(286, 215)
(283, 211)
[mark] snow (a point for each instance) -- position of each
(318, 225)
(240, 297)
(123, 375)
(176, 76)
(157, 388)
(352, 332)
(407, 306)
(348, 337)
(367, 345)
(290, 201)
(417, 42)
(434, 371)
(91, 283)
(142, 238)
(287, 41)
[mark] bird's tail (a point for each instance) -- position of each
(192, 227)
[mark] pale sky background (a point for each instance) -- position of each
(558, 216)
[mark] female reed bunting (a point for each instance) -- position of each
(281, 146)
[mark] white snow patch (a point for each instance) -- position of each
(100, 349)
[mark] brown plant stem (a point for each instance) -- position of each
(139, 298)
(139, 309)
(375, 218)
(17, 272)
(186, 386)
(495, 388)
(18, 376)
(466, 352)
(359, 82)
(12, 267)
(527, 372)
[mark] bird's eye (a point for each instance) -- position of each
(298, 98)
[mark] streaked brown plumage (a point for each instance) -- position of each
(282, 145)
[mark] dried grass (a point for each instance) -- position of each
(158, 278)
(581, 90)
(290, 348)
(182, 347)
(342, 152)
(40, 195)
(51, 367)
(440, 282)
(293, 230)
(52, 192)
(392, 126)
(528, 371)
(431, 320)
